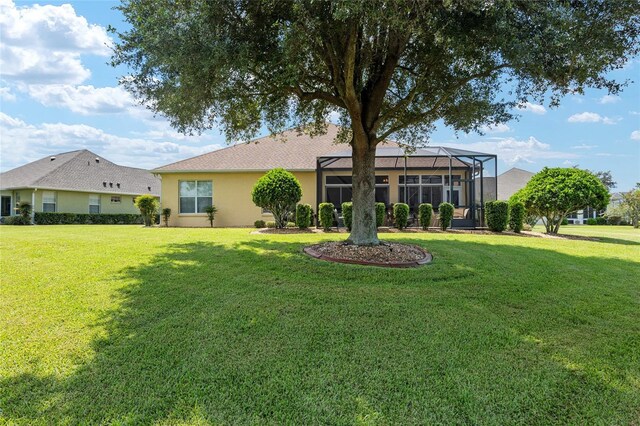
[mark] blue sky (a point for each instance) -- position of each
(57, 94)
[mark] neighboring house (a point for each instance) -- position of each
(226, 178)
(75, 182)
(512, 181)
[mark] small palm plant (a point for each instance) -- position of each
(166, 214)
(211, 214)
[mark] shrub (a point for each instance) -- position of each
(601, 220)
(42, 218)
(516, 215)
(303, 216)
(211, 214)
(614, 220)
(526, 227)
(446, 215)
(277, 191)
(271, 224)
(565, 221)
(291, 224)
(592, 221)
(347, 214)
(148, 206)
(553, 193)
(401, 214)
(17, 220)
(260, 223)
(325, 213)
(166, 214)
(381, 211)
(425, 211)
(497, 215)
(24, 209)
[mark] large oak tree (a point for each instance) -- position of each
(389, 68)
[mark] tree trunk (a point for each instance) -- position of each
(363, 227)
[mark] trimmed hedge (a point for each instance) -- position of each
(497, 215)
(592, 221)
(16, 220)
(325, 214)
(381, 211)
(401, 213)
(601, 220)
(425, 211)
(303, 216)
(516, 215)
(347, 214)
(260, 224)
(446, 215)
(42, 218)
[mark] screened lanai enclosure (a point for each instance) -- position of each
(432, 175)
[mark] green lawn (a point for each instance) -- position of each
(126, 325)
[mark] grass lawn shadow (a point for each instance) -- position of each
(257, 332)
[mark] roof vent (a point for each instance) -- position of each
(118, 185)
(111, 184)
(104, 184)
(149, 188)
(52, 158)
(97, 160)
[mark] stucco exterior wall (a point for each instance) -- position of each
(231, 196)
(75, 202)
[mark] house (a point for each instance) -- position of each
(75, 182)
(225, 178)
(512, 181)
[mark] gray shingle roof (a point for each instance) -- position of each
(81, 170)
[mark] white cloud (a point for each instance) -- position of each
(635, 135)
(43, 44)
(609, 99)
(512, 150)
(534, 108)
(634, 112)
(584, 146)
(495, 128)
(6, 94)
(590, 117)
(83, 100)
(30, 142)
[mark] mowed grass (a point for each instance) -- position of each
(126, 325)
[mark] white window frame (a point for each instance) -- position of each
(194, 213)
(55, 201)
(90, 204)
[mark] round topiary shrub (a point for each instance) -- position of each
(325, 213)
(277, 191)
(381, 210)
(148, 206)
(347, 214)
(425, 211)
(516, 215)
(497, 215)
(401, 213)
(271, 224)
(260, 224)
(303, 216)
(445, 211)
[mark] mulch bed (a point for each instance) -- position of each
(386, 254)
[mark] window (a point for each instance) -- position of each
(195, 196)
(423, 189)
(116, 199)
(94, 204)
(48, 202)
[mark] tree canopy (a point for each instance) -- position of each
(388, 68)
(553, 193)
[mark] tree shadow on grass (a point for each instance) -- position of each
(257, 332)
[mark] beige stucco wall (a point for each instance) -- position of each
(76, 202)
(231, 196)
